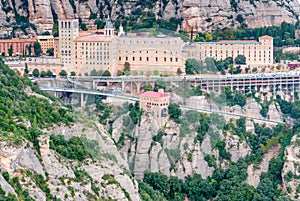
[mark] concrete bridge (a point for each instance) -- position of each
(287, 82)
(84, 92)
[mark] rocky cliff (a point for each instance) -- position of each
(198, 15)
(175, 150)
(106, 178)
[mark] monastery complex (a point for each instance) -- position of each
(83, 51)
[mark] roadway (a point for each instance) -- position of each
(90, 92)
(132, 98)
(183, 107)
(207, 79)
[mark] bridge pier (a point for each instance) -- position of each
(82, 101)
(138, 87)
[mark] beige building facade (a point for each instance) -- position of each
(44, 64)
(146, 54)
(95, 52)
(156, 103)
(68, 31)
(56, 47)
(40, 63)
(256, 52)
(84, 51)
(46, 42)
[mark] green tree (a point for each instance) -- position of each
(93, 72)
(43, 74)
(240, 18)
(35, 72)
(240, 59)
(100, 24)
(63, 73)
(29, 49)
(106, 73)
(10, 51)
(148, 87)
(174, 111)
(198, 188)
(239, 99)
(120, 73)
(73, 74)
(50, 51)
(126, 67)
(26, 70)
(83, 27)
(156, 72)
(37, 49)
(49, 73)
(179, 71)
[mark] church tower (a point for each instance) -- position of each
(109, 28)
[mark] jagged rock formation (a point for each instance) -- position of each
(200, 15)
(179, 153)
(59, 171)
(290, 171)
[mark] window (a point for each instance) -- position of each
(156, 59)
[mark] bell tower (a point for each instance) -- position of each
(108, 28)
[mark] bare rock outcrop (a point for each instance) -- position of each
(290, 172)
(255, 172)
(6, 186)
(199, 15)
(206, 15)
(236, 148)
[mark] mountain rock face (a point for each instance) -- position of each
(199, 15)
(290, 172)
(175, 151)
(59, 172)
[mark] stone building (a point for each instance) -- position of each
(96, 51)
(68, 31)
(149, 53)
(84, 51)
(87, 51)
(156, 103)
(19, 46)
(56, 47)
(256, 52)
(46, 42)
(43, 63)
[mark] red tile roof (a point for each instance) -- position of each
(266, 37)
(154, 94)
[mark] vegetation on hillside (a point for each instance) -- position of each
(283, 34)
(228, 183)
(21, 115)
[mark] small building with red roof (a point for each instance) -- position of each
(156, 103)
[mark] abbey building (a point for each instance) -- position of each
(82, 52)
